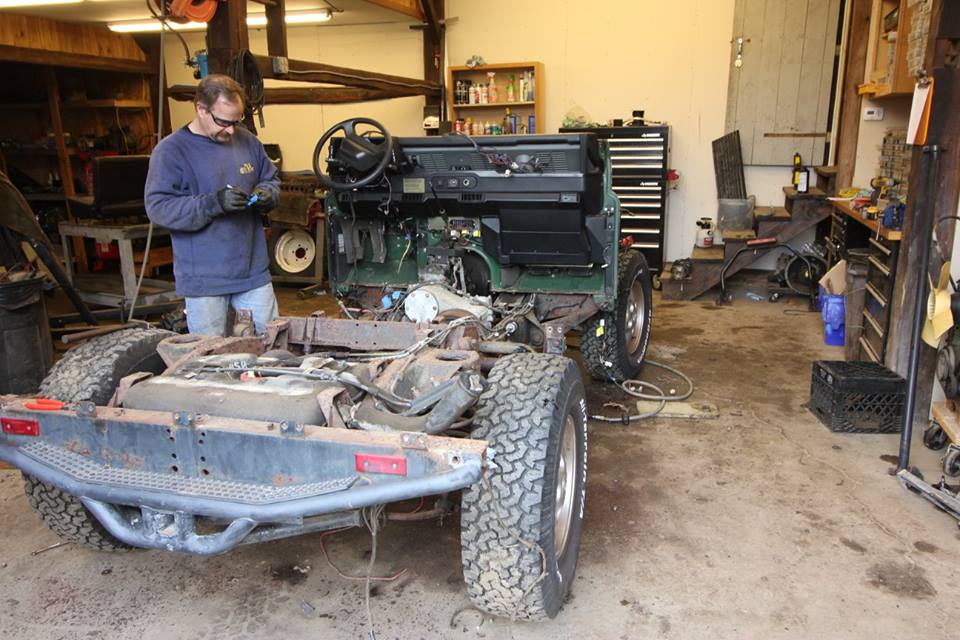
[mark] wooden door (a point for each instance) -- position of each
(781, 74)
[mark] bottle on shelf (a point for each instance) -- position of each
(511, 91)
(531, 124)
(484, 98)
(492, 92)
(529, 96)
(507, 122)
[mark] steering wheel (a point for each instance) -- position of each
(356, 152)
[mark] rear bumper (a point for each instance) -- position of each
(245, 473)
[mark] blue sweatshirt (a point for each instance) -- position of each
(214, 253)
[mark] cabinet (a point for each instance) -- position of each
(493, 111)
(898, 37)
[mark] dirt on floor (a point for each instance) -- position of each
(758, 524)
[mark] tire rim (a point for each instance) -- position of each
(566, 486)
(636, 316)
(295, 251)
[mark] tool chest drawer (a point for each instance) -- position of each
(639, 158)
(878, 298)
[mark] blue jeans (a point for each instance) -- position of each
(207, 315)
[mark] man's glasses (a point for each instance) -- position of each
(220, 122)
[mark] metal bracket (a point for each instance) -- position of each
(86, 409)
(291, 428)
(183, 418)
(413, 441)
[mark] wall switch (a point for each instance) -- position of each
(873, 113)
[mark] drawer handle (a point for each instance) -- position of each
(879, 246)
(876, 294)
(882, 268)
(872, 322)
(870, 352)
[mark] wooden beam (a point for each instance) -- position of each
(277, 29)
(10, 53)
(307, 95)
(851, 101)
(150, 43)
(406, 7)
(926, 207)
(317, 72)
(433, 43)
(227, 34)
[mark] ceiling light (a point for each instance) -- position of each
(10, 4)
(256, 20)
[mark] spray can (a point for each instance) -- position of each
(531, 124)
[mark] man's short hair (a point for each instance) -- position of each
(215, 85)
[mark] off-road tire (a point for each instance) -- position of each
(91, 372)
(603, 342)
(507, 527)
(66, 516)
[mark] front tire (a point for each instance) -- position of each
(614, 343)
(521, 525)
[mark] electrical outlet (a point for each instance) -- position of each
(873, 113)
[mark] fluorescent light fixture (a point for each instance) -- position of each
(11, 4)
(256, 20)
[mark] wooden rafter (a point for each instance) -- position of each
(305, 95)
(317, 72)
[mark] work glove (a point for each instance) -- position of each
(265, 202)
(232, 200)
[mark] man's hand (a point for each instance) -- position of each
(265, 202)
(232, 200)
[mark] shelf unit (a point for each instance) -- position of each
(522, 108)
(639, 159)
(892, 31)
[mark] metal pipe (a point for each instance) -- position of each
(925, 227)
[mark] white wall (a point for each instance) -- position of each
(896, 113)
(612, 56)
(384, 48)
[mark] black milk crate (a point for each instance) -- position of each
(857, 397)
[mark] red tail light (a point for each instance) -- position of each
(374, 463)
(17, 427)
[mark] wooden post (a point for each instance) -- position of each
(850, 103)
(276, 29)
(433, 43)
(944, 131)
(227, 35)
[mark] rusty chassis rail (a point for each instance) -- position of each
(263, 480)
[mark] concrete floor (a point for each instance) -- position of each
(760, 524)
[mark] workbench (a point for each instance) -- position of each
(881, 249)
(110, 289)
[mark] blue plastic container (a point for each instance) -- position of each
(833, 312)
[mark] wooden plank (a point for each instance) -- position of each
(739, 235)
(771, 213)
(765, 95)
(813, 192)
(745, 111)
(735, 77)
(707, 254)
(889, 234)
(227, 34)
(303, 71)
(73, 60)
(433, 44)
(51, 42)
(791, 80)
(306, 95)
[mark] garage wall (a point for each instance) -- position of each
(612, 56)
(385, 48)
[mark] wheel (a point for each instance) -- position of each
(934, 437)
(90, 372)
(614, 343)
(520, 525)
(951, 462)
(292, 251)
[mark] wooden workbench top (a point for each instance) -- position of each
(874, 225)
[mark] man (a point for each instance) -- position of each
(209, 183)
